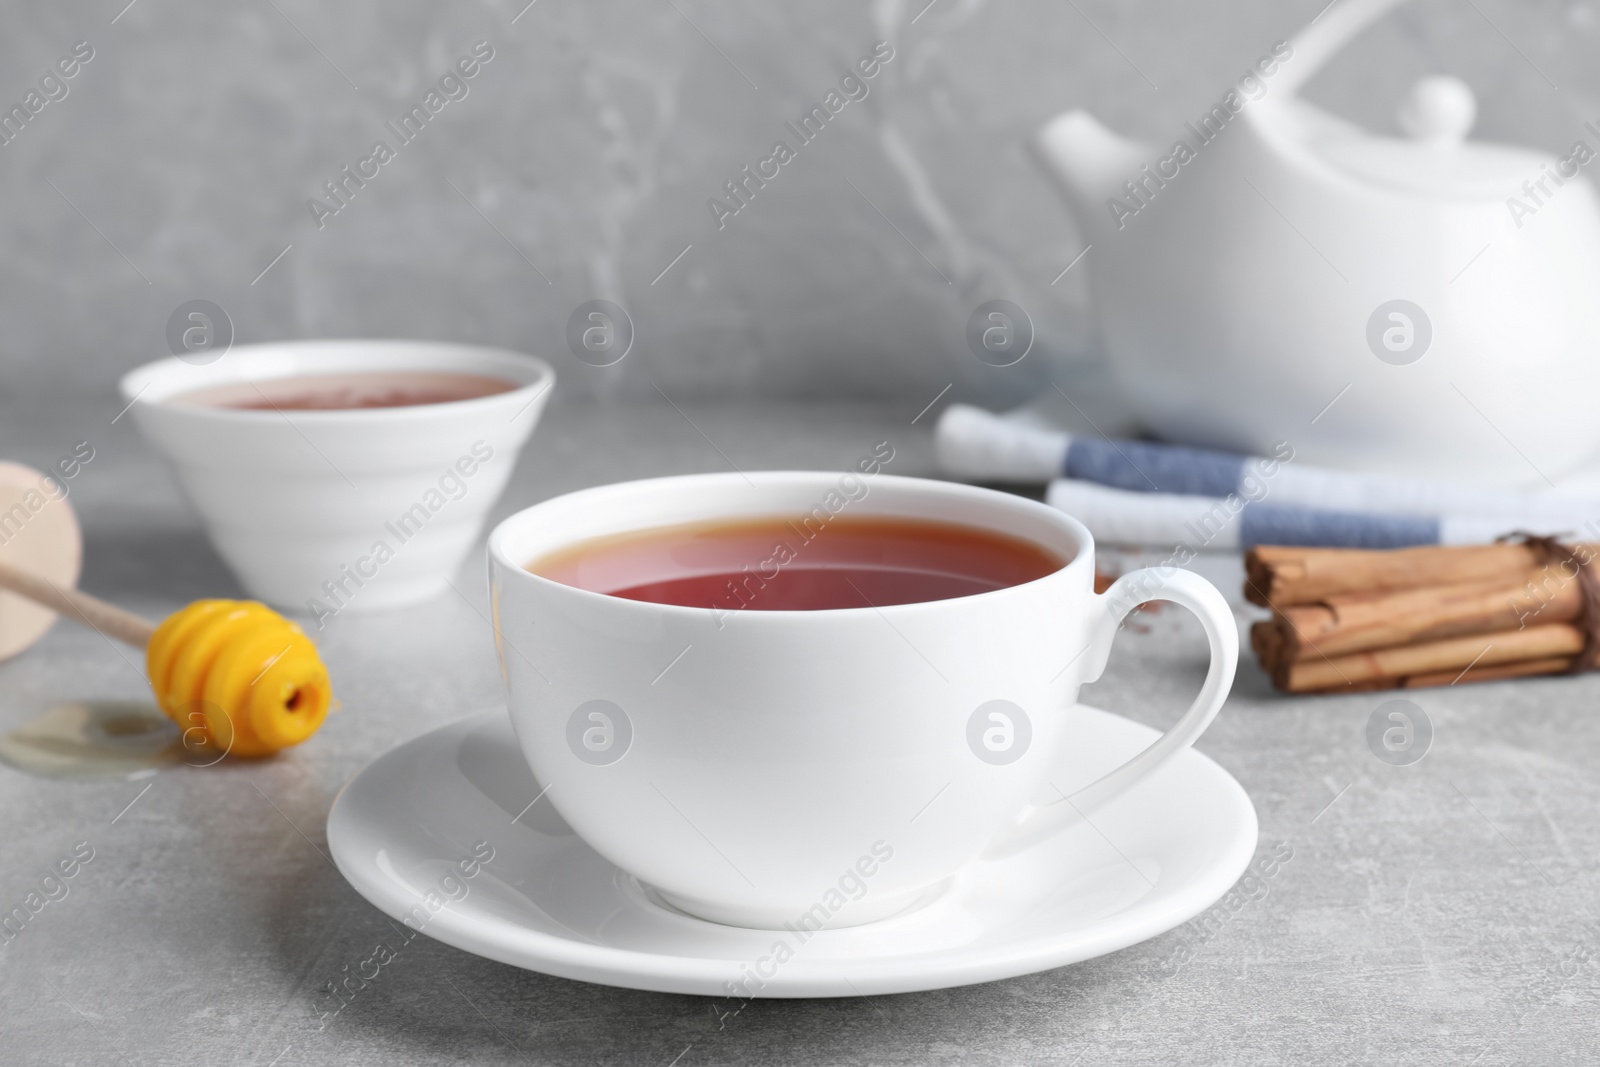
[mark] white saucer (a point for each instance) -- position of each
(1151, 860)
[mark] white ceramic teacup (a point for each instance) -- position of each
(364, 508)
(764, 768)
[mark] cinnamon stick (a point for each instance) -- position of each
(1522, 669)
(1277, 576)
(1360, 622)
(1500, 672)
(1429, 658)
(1267, 641)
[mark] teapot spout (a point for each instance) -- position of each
(1089, 161)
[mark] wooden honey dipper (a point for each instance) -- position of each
(243, 677)
(249, 680)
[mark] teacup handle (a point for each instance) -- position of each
(1126, 593)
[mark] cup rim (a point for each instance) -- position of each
(534, 375)
(505, 529)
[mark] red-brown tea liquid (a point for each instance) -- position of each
(777, 564)
(342, 392)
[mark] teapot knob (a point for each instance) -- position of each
(1439, 109)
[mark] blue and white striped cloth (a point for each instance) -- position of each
(1139, 492)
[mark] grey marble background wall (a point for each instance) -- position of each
(180, 161)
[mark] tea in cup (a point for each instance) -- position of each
(790, 699)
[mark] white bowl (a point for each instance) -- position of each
(357, 509)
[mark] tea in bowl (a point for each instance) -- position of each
(792, 699)
(336, 475)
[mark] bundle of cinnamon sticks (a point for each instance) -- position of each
(1351, 619)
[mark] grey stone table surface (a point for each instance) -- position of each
(1443, 912)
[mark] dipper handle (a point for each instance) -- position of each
(91, 611)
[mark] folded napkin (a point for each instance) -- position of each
(1117, 515)
(1141, 492)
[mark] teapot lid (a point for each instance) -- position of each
(1435, 159)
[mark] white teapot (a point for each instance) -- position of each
(1426, 306)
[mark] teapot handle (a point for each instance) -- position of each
(1326, 35)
